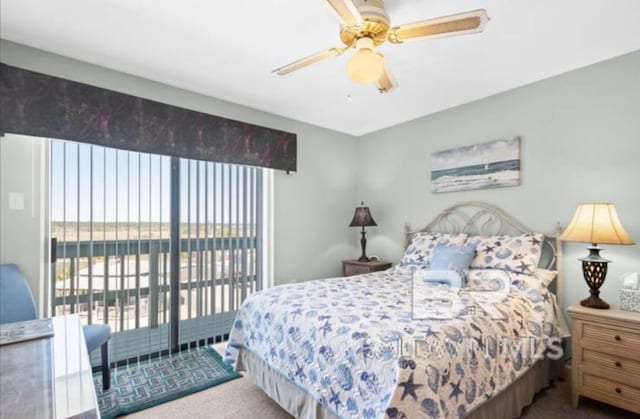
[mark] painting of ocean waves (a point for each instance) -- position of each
(494, 164)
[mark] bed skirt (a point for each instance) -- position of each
(300, 404)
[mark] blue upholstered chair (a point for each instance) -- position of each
(17, 304)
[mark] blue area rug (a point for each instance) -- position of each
(151, 383)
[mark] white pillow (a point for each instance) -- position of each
(420, 249)
(545, 276)
(488, 280)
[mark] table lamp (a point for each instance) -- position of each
(595, 224)
(362, 218)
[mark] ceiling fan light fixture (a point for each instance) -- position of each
(366, 65)
(365, 25)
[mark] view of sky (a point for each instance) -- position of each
(136, 186)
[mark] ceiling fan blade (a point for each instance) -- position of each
(458, 24)
(386, 82)
(307, 61)
(346, 12)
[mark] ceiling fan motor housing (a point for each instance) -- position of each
(375, 26)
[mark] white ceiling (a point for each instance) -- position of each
(228, 49)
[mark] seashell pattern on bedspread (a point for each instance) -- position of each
(355, 345)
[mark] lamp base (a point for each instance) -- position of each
(595, 302)
(594, 270)
(363, 244)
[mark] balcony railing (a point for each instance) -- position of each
(125, 284)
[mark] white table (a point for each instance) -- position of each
(48, 377)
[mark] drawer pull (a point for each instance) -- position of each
(618, 390)
(618, 364)
(618, 338)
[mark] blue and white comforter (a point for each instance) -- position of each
(355, 346)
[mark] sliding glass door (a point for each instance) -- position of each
(220, 251)
(164, 250)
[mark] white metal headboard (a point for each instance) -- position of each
(481, 219)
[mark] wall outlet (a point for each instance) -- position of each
(16, 201)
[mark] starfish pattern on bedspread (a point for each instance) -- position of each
(409, 388)
(353, 344)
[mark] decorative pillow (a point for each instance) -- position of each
(451, 278)
(519, 254)
(528, 286)
(489, 280)
(545, 276)
(420, 249)
(451, 257)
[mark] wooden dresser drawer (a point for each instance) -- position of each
(617, 368)
(619, 341)
(605, 347)
(356, 267)
(355, 270)
(608, 391)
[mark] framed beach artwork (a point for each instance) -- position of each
(495, 164)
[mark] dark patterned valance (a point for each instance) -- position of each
(40, 105)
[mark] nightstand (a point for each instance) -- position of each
(606, 356)
(355, 267)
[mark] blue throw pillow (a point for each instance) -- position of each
(453, 258)
(448, 277)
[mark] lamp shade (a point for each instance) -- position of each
(596, 224)
(362, 217)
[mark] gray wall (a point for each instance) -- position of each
(312, 207)
(580, 143)
(23, 232)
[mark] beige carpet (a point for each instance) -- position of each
(239, 399)
(235, 399)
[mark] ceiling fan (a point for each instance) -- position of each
(364, 25)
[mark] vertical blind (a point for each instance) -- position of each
(110, 216)
(221, 227)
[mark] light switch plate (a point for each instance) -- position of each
(16, 201)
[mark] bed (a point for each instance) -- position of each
(354, 347)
